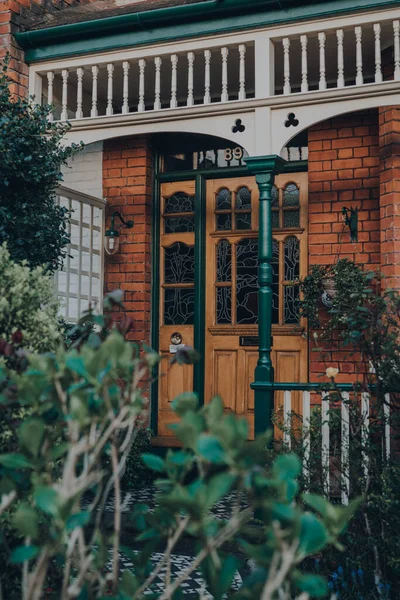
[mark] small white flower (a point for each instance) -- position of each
(332, 372)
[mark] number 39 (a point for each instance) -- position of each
(233, 153)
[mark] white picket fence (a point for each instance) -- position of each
(326, 407)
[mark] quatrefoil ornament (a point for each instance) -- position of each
(238, 126)
(291, 120)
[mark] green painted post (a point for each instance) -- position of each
(264, 168)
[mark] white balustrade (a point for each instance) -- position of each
(125, 93)
(365, 431)
(207, 82)
(50, 80)
(306, 434)
(304, 63)
(110, 73)
(325, 442)
(157, 83)
(340, 58)
(190, 97)
(95, 73)
(224, 94)
(242, 72)
(396, 44)
(174, 82)
(322, 66)
(142, 67)
(357, 50)
(386, 413)
(287, 416)
(79, 78)
(345, 448)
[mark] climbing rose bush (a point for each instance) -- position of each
(28, 308)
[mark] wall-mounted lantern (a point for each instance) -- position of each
(111, 237)
(350, 217)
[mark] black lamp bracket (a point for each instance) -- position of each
(128, 224)
(350, 216)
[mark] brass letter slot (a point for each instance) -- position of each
(251, 340)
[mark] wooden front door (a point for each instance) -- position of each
(230, 237)
(231, 290)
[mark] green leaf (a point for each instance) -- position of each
(184, 403)
(229, 568)
(129, 584)
(31, 435)
(314, 585)
(210, 448)
(320, 505)
(154, 462)
(78, 520)
(15, 461)
(218, 487)
(46, 498)
(215, 410)
(287, 466)
(313, 534)
(77, 365)
(25, 521)
(23, 553)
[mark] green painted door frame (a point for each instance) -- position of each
(264, 168)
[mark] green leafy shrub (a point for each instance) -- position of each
(86, 405)
(31, 155)
(28, 309)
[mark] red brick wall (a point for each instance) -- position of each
(343, 171)
(127, 185)
(389, 128)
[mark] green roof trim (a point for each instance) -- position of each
(165, 24)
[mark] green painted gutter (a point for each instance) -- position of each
(142, 20)
(179, 22)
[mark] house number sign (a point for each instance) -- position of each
(233, 153)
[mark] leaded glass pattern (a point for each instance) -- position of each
(224, 261)
(179, 263)
(182, 205)
(179, 306)
(291, 258)
(229, 217)
(275, 282)
(291, 312)
(178, 203)
(285, 204)
(291, 195)
(224, 305)
(224, 199)
(247, 281)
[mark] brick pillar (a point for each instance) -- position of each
(389, 142)
(127, 185)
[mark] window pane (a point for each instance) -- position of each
(247, 281)
(291, 305)
(179, 263)
(291, 195)
(275, 282)
(179, 307)
(275, 219)
(224, 261)
(243, 198)
(291, 218)
(224, 305)
(224, 201)
(179, 202)
(243, 221)
(179, 224)
(224, 222)
(292, 259)
(274, 196)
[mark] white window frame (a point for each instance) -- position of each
(81, 296)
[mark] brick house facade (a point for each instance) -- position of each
(353, 153)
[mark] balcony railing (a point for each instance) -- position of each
(342, 54)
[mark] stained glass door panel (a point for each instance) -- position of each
(232, 284)
(176, 307)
